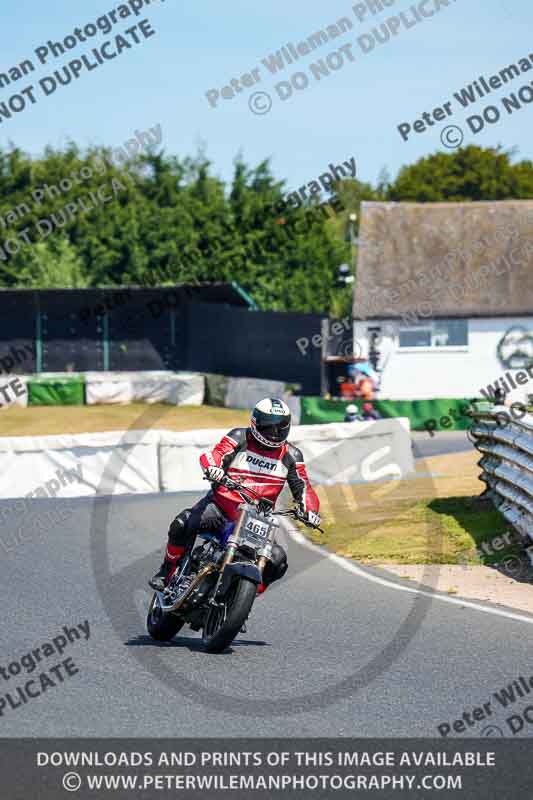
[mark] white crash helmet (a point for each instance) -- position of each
(271, 422)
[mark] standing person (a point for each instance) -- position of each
(352, 414)
(369, 412)
(365, 384)
(259, 457)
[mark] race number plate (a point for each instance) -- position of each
(255, 532)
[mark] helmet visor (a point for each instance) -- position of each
(274, 429)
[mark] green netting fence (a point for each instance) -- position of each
(439, 414)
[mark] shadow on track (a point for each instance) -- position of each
(192, 644)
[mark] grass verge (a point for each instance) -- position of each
(421, 521)
(48, 420)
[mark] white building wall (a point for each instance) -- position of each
(423, 373)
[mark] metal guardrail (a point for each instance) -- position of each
(506, 446)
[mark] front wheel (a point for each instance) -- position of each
(223, 622)
(161, 625)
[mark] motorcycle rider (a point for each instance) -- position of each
(259, 457)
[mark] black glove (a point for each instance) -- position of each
(312, 517)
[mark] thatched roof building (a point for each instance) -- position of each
(445, 260)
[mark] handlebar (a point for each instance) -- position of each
(255, 499)
(231, 484)
(294, 512)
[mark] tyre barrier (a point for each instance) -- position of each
(506, 447)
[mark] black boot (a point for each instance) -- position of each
(160, 579)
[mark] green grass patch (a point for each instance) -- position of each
(428, 531)
(49, 420)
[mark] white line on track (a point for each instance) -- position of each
(343, 563)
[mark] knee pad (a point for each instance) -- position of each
(177, 533)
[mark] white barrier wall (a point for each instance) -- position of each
(181, 388)
(246, 392)
(80, 465)
(336, 452)
(13, 390)
(152, 461)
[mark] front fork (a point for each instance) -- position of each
(233, 543)
(265, 555)
(228, 558)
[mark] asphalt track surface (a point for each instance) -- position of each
(441, 443)
(327, 652)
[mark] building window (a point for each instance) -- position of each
(416, 335)
(435, 333)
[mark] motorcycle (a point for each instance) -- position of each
(215, 586)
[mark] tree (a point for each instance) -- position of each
(469, 174)
(52, 265)
(159, 219)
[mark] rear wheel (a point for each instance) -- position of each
(161, 625)
(224, 621)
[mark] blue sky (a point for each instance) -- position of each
(200, 46)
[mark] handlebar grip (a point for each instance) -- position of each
(227, 482)
(302, 518)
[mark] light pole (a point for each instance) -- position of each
(353, 239)
(346, 273)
